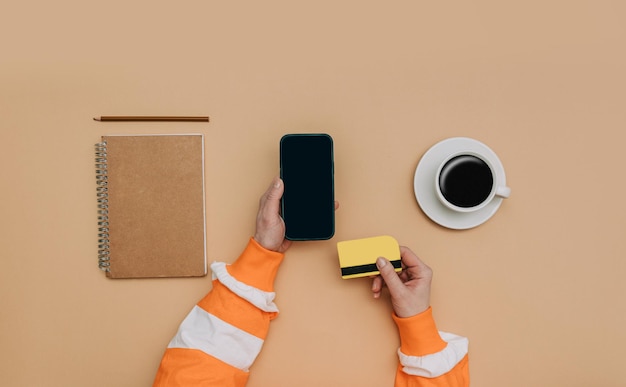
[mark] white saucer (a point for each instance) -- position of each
(424, 183)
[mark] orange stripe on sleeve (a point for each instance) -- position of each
(189, 367)
(257, 266)
(419, 335)
(227, 306)
(429, 358)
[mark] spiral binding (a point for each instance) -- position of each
(102, 193)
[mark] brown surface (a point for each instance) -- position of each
(538, 289)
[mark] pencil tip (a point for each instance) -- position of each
(96, 118)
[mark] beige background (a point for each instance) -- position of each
(539, 289)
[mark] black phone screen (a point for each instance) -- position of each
(307, 170)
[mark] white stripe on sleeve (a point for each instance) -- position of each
(260, 299)
(209, 334)
(436, 364)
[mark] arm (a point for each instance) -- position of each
(427, 357)
(222, 335)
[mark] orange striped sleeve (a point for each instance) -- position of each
(231, 308)
(221, 337)
(257, 266)
(428, 357)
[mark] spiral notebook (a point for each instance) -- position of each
(151, 208)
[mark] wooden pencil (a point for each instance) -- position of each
(153, 118)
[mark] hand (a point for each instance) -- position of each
(270, 226)
(409, 289)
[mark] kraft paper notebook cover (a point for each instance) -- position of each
(151, 206)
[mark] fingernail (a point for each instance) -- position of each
(381, 262)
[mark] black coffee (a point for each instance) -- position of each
(466, 181)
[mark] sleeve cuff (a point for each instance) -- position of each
(257, 266)
(419, 335)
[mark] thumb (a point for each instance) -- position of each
(387, 271)
(270, 201)
(275, 191)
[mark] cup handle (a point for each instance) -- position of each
(503, 192)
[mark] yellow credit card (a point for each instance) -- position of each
(357, 257)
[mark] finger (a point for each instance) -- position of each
(414, 266)
(270, 201)
(409, 259)
(275, 190)
(377, 286)
(389, 275)
(336, 205)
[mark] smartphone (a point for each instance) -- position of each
(307, 171)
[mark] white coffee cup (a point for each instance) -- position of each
(466, 182)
